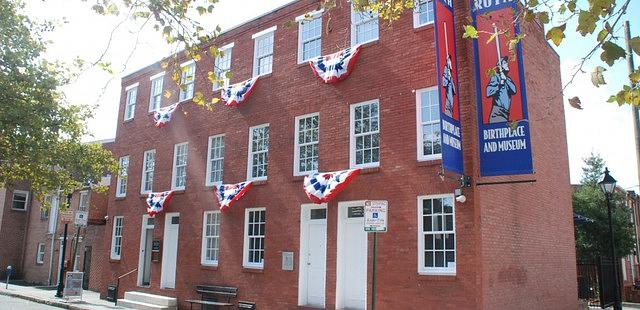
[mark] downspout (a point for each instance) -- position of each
(56, 198)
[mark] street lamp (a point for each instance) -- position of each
(608, 184)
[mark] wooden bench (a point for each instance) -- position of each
(214, 295)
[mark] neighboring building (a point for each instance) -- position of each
(15, 207)
(509, 246)
(630, 272)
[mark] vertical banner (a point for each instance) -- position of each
(447, 70)
(503, 120)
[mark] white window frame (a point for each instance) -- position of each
(297, 145)
(143, 178)
(123, 176)
(155, 80)
(245, 251)
(306, 18)
(210, 158)
(251, 153)
(130, 103)
(116, 249)
(188, 84)
(416, 13)
(175, 166)
(422, 270)
(44, 211)
(203, 259)
(420, 124)
(355, 25)
(257, 37)
(220, 72)
(40, 253)
(83, 206)
(26, 199)
(352, 136)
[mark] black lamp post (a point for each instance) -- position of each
(608, 184)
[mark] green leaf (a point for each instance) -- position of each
(543, 17)
(556, 34)
(602, 34)
(586, 22)
(562, 9)
(635, 76)
(635, 44)
(572, 6)
(611, 52)
(611, 99)
(470, 32)
(491, 72)
(596, 76)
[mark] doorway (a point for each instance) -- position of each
(351, 273)
(86, 267)
(313, 255)
(170, 250)
(146, 241)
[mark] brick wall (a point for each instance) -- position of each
(37, 233)
(13, 227)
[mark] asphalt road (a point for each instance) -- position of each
(11, 303)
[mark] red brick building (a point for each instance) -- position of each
(15, 206)
(509, 246)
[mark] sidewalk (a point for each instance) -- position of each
(90, 300)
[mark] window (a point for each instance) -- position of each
(223, 66)
(258, 152)
(436, 235)
(188, 80)
(116, 238)
(423, 13)
(263, 51)
(148, 166)
(215, 160)
(179, 179)
(130, 105)
(121, 184)
(254, 238)
(428, 121)
(155, 100)
(45, 207)
(210, 238)
(306, 144)
(20, 200)
(84, 201)
(309, 36)
(364, 27)
(365, 135)
(40, 254)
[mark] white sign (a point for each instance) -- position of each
(73, 285)
(81, 218)
(375, 215)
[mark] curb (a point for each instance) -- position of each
(41, 301)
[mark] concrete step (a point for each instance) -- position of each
(142, 305)
(147, 298)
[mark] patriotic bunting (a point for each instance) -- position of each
(322, 187)
(229, 193)
(157, 201)
(237, 93)
(163, 116)
(335, 67)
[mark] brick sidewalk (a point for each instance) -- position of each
(90, 300)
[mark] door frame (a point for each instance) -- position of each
(167, 222)
(340, 248)
(143, 242)
(305, 213)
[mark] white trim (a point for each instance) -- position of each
(249, 149)
(416, 14)
(207, 178)
(183, 76)
(226, 50)
(245, 250)
(144, 171)
(352, 137)
(263, 32)
(130, 108)
(354, 26)
(153, 77)
(296, 144)
(340, 248)
(301, 22)
(141, 256)
(305, 213)
(434, 270)
(174, 170)
(310, 15)
(158, 79)
(113, 255)
(26, 199)
(132, 86)
(86, 194)
(256, 61)
(168, 277)
(228, 46)
(187, 63)
(203, 260)
(120, 179)
(419, 133)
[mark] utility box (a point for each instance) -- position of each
(112, 293)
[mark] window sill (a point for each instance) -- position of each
(369, 170)
(434, 276)
(185, 100)
(209, 266)
(424, 27)
(178, 191)
(39, 263)
(368, 43)
(246, 269)
(20, 210)
(298, 178)
(258, 182)
(113, 260)
(429, 162)
(128, 120)
(262, 76)
(145, 195)
(303, 64)
(121, 198)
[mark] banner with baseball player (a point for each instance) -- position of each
(503, 120)
(447, 70)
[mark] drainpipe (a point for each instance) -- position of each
(56, 198)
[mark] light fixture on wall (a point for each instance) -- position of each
(460, 197)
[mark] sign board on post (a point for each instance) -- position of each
(81, 218)
(66, 216)
(73, 285)
(375, 215)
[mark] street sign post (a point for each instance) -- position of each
(81, 218)
(375, 220)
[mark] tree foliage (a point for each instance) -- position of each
(39, 131)
(592, 239)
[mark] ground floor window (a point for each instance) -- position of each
(210, 238)
(254, 232)
(40, 255)
(436, 235)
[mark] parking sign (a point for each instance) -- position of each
(375, 215)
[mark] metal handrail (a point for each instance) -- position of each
(115, 303)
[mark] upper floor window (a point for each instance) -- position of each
(121, 183)
(188, 80)
(83, 202)
(263, 51)
(436, 235)
(254, 233)
(423, 13)
(215, 160)
(20, 200)
(116, 237)
(223, 67)
(210, 238)
(155, 100)
(45, 207)
(365, 135)
(40, 254)
(148, 166)
(309, 36)
(180, 154)
(130, 105)
(364, 27)
(307, 136)
(258, 152)
(428, 121)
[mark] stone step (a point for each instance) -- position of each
(147, 298)
(142, 305)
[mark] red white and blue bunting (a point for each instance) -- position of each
(237, 93)
(335, 67)
(322, 187)
(163, 115)
(229, 193)
(156, 202)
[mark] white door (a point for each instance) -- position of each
(351, 286)
(313, 255)
(170, 250)
(146, 241)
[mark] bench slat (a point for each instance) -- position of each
(210, 303)
(216, 293)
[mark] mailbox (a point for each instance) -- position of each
(155, 250)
